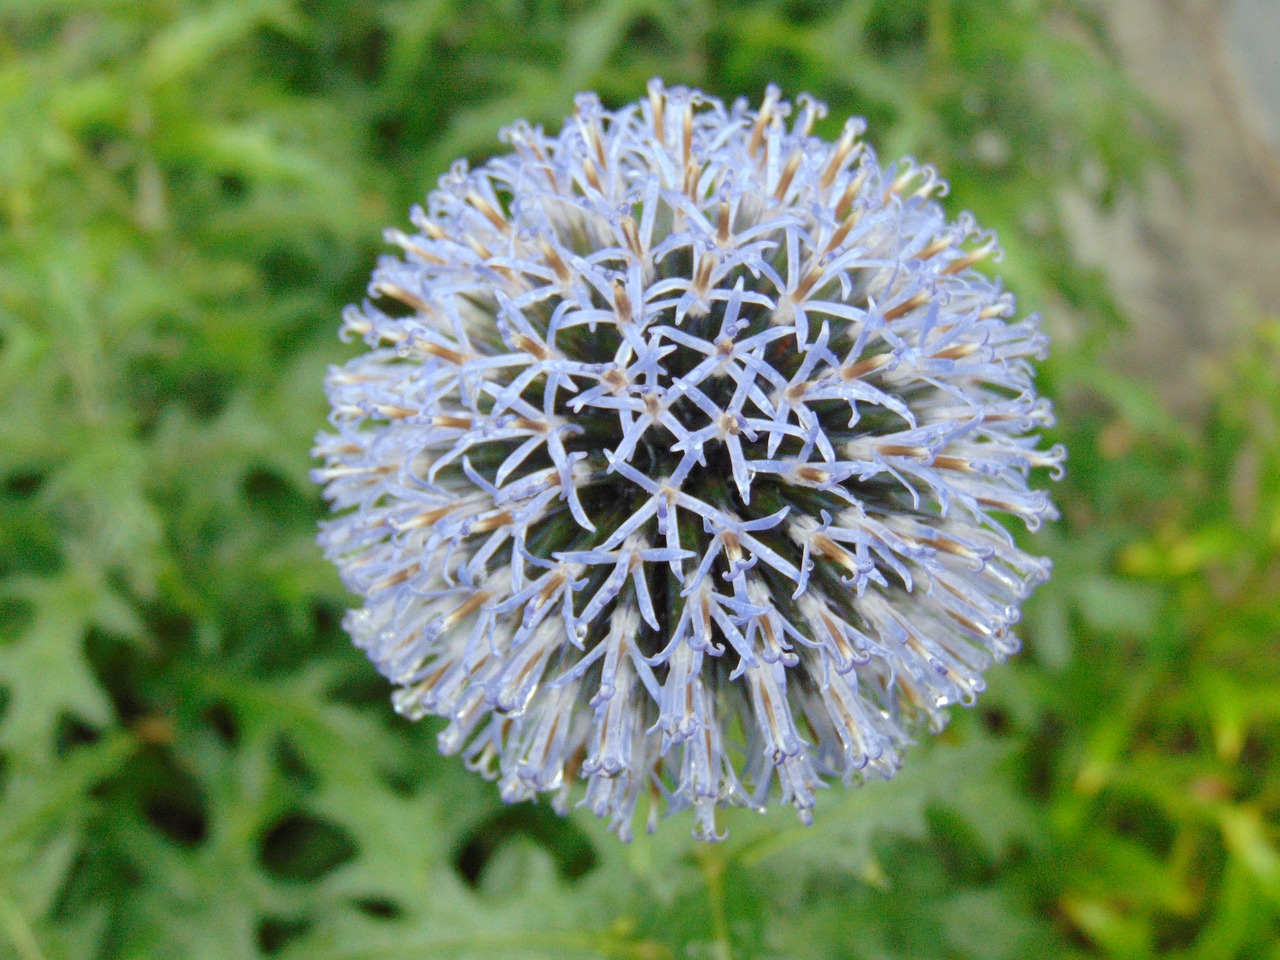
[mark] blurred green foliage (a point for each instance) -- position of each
(193, 761)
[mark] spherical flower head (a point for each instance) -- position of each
(675, 461)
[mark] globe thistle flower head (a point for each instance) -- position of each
(675, 462)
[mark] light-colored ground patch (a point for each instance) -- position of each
(1195, 269)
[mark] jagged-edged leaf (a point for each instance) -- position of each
(45, 671)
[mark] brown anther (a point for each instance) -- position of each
(452, 421)
(823, 546)
(950, 588)
(427, 683)
(631, 233)
(725, 347)
(593, 178)
(531, 346)
(456, 357)
(766, 628)
(851, 191)
(867, 365)
(837, 636)
(999, 505)
(839, 154)
(935, 248)
(702, 276)
(622, 302)
(848, 729)
(928, 186)
(807, 283)
(658, 103)
(732, 545)
(535, 662)
(548, 173)
(399, 577)
(723, 235)
(692, 173)
(910, 693)
(426, 518)
(1042, 458)
(555, 261)
(788, 174)
(336, 472)
(957, 352)
(406, 244)
(396, 292)
(769, 709)
(534, 426)
(729, 426)
(492, 522)
(349, 411)
(574, 765)
(434, 230)
(550, 739)
(536, 147)
(969, 259)
(554, 583)
(840, 233)
(391, 411)
(898, 450)
(344, 377)
(762, 121)
(669, 493)
(616, 380)
(490, 214)
(899, 182)
(480, 249)
(472, 603)
(592, 132)
(794, 393)
(687, 133)
(805, 127)
(995, 310)
(969, 624)
(913, 643)
(919, 300)
(652, 405)
(811, 474)
(959, 464)
(946, 545)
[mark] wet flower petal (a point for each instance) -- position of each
(675, 461)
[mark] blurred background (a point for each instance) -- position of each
(194, 763)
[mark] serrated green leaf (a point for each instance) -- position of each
(846, 824)
(45, 670)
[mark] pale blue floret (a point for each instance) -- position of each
(674, 461)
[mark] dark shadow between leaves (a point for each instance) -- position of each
(300, 847)
(379, 908)
(276, 933)
(569, 847)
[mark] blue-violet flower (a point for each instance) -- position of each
(673, 462)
